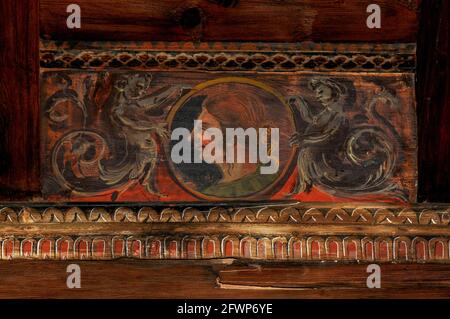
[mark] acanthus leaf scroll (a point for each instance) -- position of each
(346, 155)
(87, 161)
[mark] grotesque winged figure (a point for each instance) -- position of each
(122, 129)
(346, 155)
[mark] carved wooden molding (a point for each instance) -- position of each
(296, 232)
(305, 56)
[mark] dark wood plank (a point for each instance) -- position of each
(433, 96)
(329, 276)
(249, 20)
(19, 99)
(173, 279)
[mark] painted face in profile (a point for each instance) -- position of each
(208, 121)
(324, 94)
(236, 127)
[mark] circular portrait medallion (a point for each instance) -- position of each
(230, 140)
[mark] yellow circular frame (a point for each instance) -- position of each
(281, 177)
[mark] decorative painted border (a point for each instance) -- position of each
(245, 57)
(296, 232)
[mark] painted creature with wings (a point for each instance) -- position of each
(122, 127)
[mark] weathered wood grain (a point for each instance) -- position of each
(219, 279)
(433, 97)
(249, 20)
(19, 99)
(307, 276)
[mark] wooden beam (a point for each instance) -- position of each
(249, 20)
(19, 99)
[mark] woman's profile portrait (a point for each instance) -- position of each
(228, 106)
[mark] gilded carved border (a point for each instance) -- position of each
(291, 232)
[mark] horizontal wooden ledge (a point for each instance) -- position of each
(211, 229)
(219, 46)
(207, 279)
(293, 277)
